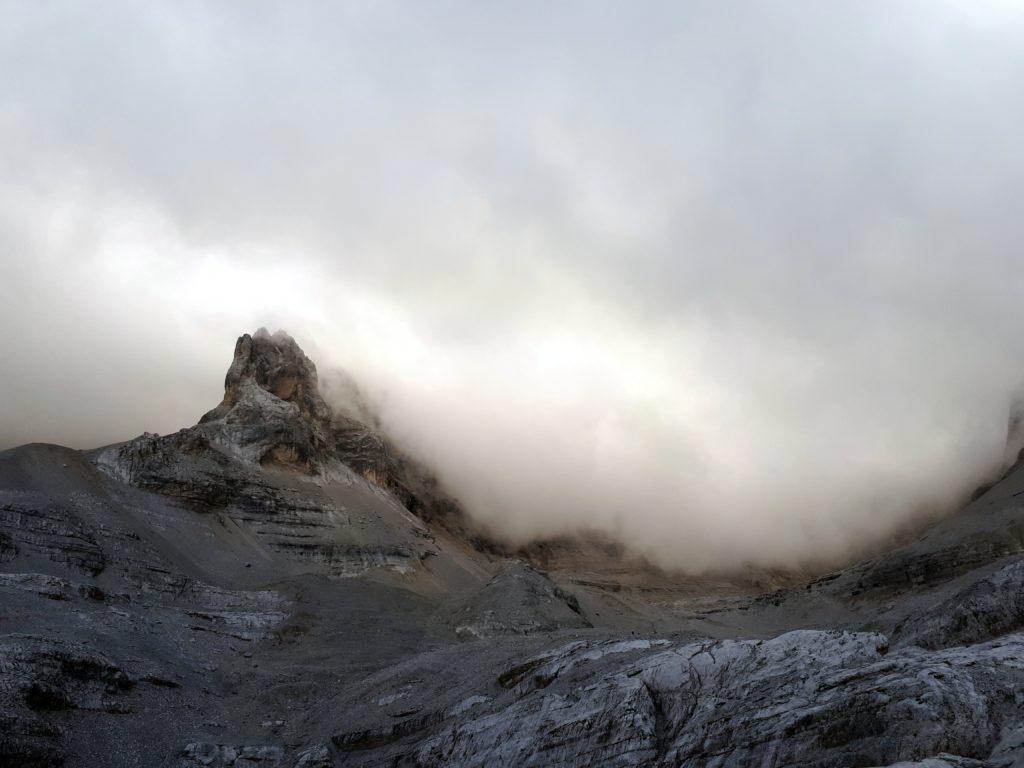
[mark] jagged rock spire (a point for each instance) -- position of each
(272, 409)
(277, 364)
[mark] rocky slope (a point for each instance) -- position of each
(279, 586)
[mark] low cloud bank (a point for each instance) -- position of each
(738, 284)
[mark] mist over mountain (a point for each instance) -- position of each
(283, 585)
(732, 282)
(455, 384)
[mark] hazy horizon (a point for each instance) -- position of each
(733, 282)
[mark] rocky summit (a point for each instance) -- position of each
(279, 585)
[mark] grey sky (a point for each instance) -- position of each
(738, 281)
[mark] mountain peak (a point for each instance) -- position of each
(272, 408)
(277, 364)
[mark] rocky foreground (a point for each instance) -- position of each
(278, 586)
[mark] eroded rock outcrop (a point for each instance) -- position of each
(988, 608)
(39, 676)
(273, 415)
(518, 600)
(272, 409)
(806, 698)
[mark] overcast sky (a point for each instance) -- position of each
(737, 282)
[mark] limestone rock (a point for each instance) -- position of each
(272, 411)
(986, 609)
(807, 698)
(519, 600)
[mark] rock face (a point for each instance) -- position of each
(272, 409)
(44, 676)
(518, 600)
(988, 608)
(806, 698)
(278, 585)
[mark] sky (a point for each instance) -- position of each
(735, 283)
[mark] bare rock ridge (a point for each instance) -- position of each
(273, 413)
(278, 586)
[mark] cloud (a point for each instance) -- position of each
(737, 283)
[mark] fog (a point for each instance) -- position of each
(736, 283)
